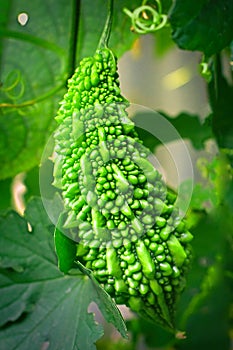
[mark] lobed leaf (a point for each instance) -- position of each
(39, 305)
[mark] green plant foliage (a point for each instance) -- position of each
(208, 296)
(92, 23)
(5, 190)
(26, 89)
(222, 121)
(209, 277)
(65, 248)
(29, 93)
(153, 335)
(188, 126)
(211, 21)
(31, 182)
(36, 296)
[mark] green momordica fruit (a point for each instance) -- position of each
(120, 213)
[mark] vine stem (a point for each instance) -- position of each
(73, 38)
(217, 75)
(107, 27)
(214, 83)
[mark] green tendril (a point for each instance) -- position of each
(145, 19)
(205, 68)
(13, 86)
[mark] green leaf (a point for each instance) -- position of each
(206, 300)
(208, 314)
(221, 95)
(33, 65)
(205, 304)
(122, 38)
(202, 25)
(92, 23)
(184, 11)
(39, 305)
(31, 182)
(66, 251)
(107, 305)
(163, 42)
(29, 93)
(204, 197)
(155, 336)
(65, 248)
(120, 344)
(6, 195)
(188, 127)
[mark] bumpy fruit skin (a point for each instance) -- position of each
(119, 210)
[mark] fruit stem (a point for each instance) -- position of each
(103, 43)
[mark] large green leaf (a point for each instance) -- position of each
(202, 25)
(5, 190)
(39, 304)
(33, 69)
(35, 61)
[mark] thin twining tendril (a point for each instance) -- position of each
(146, 19)
(13, 86)
(32, 102)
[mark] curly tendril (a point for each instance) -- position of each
(13, 86)
(145, 19)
